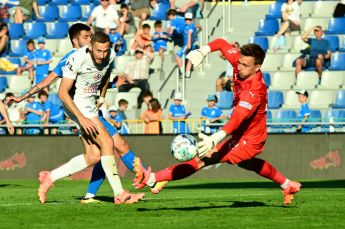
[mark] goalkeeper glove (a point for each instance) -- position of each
(196, 56)
(209, 142)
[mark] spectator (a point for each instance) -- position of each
(53, 114)
(193, 6)
(15, 112)
(152, 117)
(142, 38)
(33, 115)
(159, 9)
(304, 112)
(114, 118)
(127, 17)
(319, 52)
(339, 10)
(178, 114)
(104, 16)
(43, 59)
(291, 14)
(4, 119)
(147, 96)
(138, 73)
(211, 114)
(160, 39)
(29, 60)
(176, 27)
(23, 11)
(189, 38)
(140, 9)
(4, 40)
(123, 105)
(117, 40)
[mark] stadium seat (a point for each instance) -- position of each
(225, 99)
(288, 61)
(64, 46)
(331, 80)
(291, 100)
(262, 41)
(122, 61)
(18, 47)
(307, 8)
(3, 83)
(267, 27)
(54, 98)
(269, 116)
(275, 99)
(35, 30)
(18, 83)
(13, 60)
(307, 80)
(339, 100)
(320, 99)
(282, 80)
(299, 44)
(337, 61)
(81, 2)
(274, 10)
(267, 78)
(334, 42)
(86, 11)
(110, 96)
(338, 115)
(16, 31)
(311, 22)
(58, 2)
(159, 12)
(41, 2)
(336, 26)
(285, 116)
(342, 46)
(323, 8)
(285, 49)
(272, 62)
(57, 30)
(70, 13)
(315, 116)
(52, 45)
(49, 13)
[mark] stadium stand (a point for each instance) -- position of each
(339, 100)
(267, 27)
(275, 99)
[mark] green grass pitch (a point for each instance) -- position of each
(190, 203)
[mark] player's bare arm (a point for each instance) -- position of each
(4, 114)
(104, 88)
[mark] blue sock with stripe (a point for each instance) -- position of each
(128, 160)
(97, 179)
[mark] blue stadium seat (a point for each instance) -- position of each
(275, 99)
(274, 11)
(58, 2)
(14, 60)
(315, 116)
(342, 47)
(18, 47)
(160, 11)
(49, 13)
(81, 2)
(339, 100)
(86, 10)
(337, 61)
(57, 30)
(16, 31)
(3, 83)
(41, 2)
(269, 118)
(70, 13)
(336, 26)
(267, 78)
(225, 100)
(54, 98)
(35, 30)
(334, 42)
(338, 116)
(267, 27)
(262, 41)
(285, 116)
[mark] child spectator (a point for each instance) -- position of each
(211, 114)
(142, 38)
(123, 105)
(152, 117)
(43, 59)
(114, 118)
(175, 27)
(53, 114)
(177, 113)
(24, 10)
(29, 60)
(189, 37)
(147, 96)
(304, 112)
(33, 115)
(160, 39)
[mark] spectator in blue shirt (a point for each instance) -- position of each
(43, 59)
(211, 114)
(160, 40)
(53, 114)
(189, 38)
(175, 27)
(177, 113)
(319, 52)
(159, 9)
(29, 60)
(117, 121)
(116, 38)
(123, 105)
(304, 112)
(33, 112)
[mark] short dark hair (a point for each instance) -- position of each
(146, 26)
(172, 12)
(75, 30)
(158, 24)
(255, 51)
(124, 6)
(147, 94)
(42, 93)
(30, 42)
(100, 37)
(155, 105)
(122, 102)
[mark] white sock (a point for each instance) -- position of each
(285, 184)
(110, 169)
(152, 180)
(76, 164)
(89, 195)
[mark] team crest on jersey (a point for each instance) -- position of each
(97, 76)
(246, 105)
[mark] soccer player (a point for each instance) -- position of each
(247, 125)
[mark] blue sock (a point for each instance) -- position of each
(128, 160)
(97, 178)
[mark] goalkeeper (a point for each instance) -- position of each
(247, 125)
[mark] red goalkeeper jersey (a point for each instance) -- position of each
(248, 119)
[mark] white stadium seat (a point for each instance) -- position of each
(332, 79)
(324, 8)
(288, 60)
(307, 80)
(272, 62)
(17, 84)
(64, 47)
(299, 44)
(282, 80)
(122, 61)
(311, 22)
(307, 8)
(320, 99)
(291, 100)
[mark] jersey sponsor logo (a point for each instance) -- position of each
(97, 76)
(246, 105)
(232, 51)
(90, 89)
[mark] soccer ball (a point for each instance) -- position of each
(183, 147)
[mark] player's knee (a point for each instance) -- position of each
(92, 158)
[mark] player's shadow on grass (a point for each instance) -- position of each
(101, 198)
(9, 185)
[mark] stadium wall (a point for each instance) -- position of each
(313, 156)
